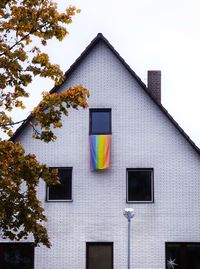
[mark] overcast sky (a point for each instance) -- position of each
(149, 35)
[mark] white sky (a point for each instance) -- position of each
(148, 34)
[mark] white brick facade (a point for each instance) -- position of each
(142, 137)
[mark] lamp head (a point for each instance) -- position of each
(129, 213)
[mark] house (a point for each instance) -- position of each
(153, 167)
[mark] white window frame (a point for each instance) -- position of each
(60, 200)
(152, 186)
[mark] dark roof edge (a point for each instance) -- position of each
(97, 39)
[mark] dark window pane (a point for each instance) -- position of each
(16, 256)
(100, 121)
(183, 255)
(173, 256)
(99, 255)
(193, 253)
(139, 185)
(62, 191)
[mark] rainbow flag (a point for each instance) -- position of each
(99, 151)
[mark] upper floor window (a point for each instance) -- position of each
(100, 121)
(16, 255)
(139, 185)
(62, 191)
(182, 255)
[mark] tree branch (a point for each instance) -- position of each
(11, 124)
(18, 42)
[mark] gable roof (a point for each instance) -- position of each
(95, 41)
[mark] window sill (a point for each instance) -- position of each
(140, 202)
(58, 201)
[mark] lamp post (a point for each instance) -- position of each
(129, 214)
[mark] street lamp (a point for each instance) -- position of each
(129, 214)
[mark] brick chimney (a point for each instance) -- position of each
(154, 84)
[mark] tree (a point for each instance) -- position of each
(22, 24)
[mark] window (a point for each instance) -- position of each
(100, 121)
(139, 185)
(63, 191)
(16, 256)
(99, 255)
(182, 255)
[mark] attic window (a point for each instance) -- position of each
(140, 185)
(100, 121)
(62, 191)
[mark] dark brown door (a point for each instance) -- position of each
(99, 255)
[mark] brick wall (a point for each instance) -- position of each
(142, 137)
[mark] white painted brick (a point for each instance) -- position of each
(142, 137)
